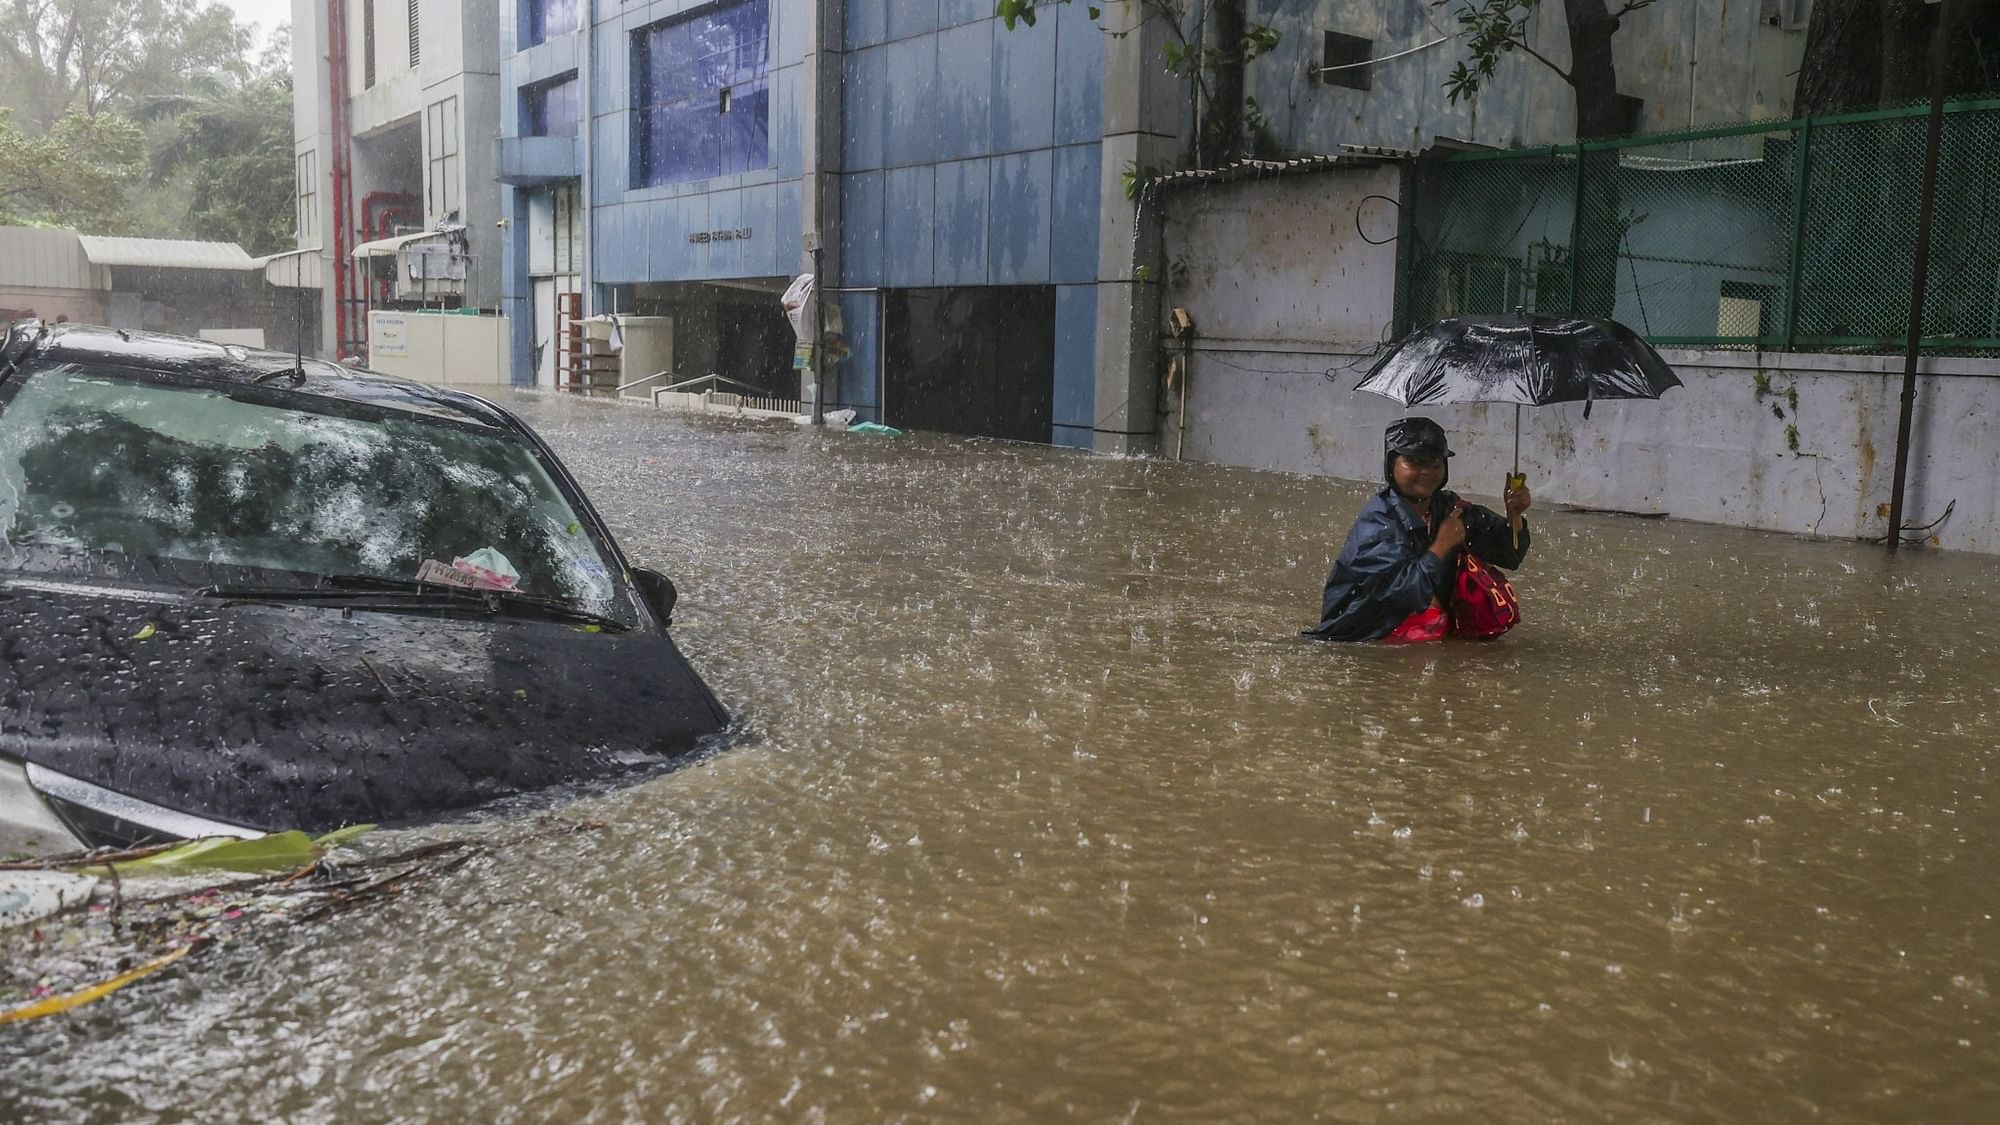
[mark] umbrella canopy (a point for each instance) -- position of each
(1520, 358)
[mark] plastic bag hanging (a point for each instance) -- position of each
(797, 303)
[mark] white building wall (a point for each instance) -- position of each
(312, 144)
(1290, 293)
(1694, 62)
(1711, 451)
(1286, 259)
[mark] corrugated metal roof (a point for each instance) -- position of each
(1352, 156)
(1383, 152)
(32, 258)
(164, 253)
(291, 269)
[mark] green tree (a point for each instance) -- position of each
(1497, 28)
(90, 56)
(74, 175)
(228, 147)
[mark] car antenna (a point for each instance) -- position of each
(299, 336)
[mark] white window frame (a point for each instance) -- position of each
(308, 196)
(441, 187)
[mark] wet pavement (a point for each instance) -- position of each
(1042, 810)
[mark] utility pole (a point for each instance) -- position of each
(1920, 275)
(819, 337)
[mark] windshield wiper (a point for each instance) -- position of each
(408, 593)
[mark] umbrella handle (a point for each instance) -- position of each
(1516, 479)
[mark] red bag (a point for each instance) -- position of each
(1426, 625)
(1483, 604)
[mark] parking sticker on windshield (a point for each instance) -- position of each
(436, 572)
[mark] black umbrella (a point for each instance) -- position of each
(1522, 358)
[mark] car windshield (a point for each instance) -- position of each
(97, 459)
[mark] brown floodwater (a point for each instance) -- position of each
(1041, 810)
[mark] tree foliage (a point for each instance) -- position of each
(230, 146)
(74, 175)
(90, 56)
(145, 117)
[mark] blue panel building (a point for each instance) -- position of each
(679, 160)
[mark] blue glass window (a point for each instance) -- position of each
(702, 95)
(549, 109)
(548, 19)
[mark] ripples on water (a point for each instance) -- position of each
(1042, 810)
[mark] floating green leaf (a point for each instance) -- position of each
(145, 631)
(276, 852)
(341, 836)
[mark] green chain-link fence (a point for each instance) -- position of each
(1798, 235)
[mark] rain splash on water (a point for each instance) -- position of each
(1041, 809)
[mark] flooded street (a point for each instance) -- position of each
(1041, 810)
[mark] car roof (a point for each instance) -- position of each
(227, 363)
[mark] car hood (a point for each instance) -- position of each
(307, 716)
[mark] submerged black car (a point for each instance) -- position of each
(242, 593)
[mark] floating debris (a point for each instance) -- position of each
(87, 936)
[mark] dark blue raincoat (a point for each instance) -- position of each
(1386, 570)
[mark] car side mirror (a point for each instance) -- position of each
(659, 592)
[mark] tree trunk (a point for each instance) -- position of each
(1593, 72)
(1221, 137)
(1866, 54)
(1600, 226)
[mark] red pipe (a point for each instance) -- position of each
(368, 216)
(382, 231)
(377, 226)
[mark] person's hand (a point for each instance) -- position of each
(1518, 501)
(1450, 536)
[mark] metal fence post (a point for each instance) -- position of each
(1576, 228)
(819, 364)
(1919, 277)
(1798, 233)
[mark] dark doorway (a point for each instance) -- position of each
(973, 360)
(754, 345)
(732, 329)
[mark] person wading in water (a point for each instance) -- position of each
(1393, 579)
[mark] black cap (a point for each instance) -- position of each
(1416, 437)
